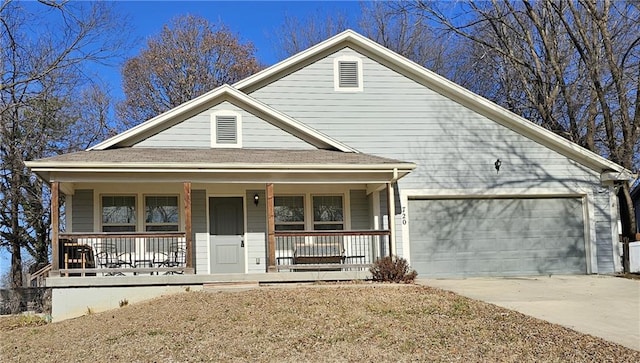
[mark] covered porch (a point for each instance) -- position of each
(325, 211)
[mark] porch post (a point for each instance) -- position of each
(55, 225)
(391, 210)
(187, 224)
(271, 230)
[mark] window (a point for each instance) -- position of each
(118, 213)
(161, 213)
(328, 212)
(289, 213)
(225, 129)
(348, 74)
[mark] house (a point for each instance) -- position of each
(318, 165)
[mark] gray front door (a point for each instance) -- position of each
(226, 234)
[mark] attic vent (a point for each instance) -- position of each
(226, 130)
(348, 74)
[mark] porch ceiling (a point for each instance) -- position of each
(220, 165)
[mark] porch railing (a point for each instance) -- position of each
(111, 254)
(329, 250)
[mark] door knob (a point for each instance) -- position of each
(241, 243)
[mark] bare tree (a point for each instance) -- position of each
(299, 33)
(571, 66)
(188, 58)
(41, 74)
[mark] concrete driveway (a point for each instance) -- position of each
(603, 306)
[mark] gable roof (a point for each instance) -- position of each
(447, 88)
(212, 98)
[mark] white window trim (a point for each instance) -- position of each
(336, 73)
(144, 219)
(238, 117)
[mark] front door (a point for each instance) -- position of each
(226, 234)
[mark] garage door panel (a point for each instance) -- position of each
(475, 237)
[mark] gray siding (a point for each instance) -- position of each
(359, 209)
(256, 214)
(82, 211)
(396, 117)
(256, 232)
(195, 132)
(453, 147)
(199, 211)
(604, 244)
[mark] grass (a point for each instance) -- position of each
(311, 323)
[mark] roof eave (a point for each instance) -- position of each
(448, 89)
(224, 93)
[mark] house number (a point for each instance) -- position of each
(404, 215)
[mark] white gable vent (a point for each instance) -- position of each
(348, 74)
(225, 129)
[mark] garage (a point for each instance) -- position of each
(497, 236)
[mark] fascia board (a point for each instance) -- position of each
(156, 121)
(491, 110)
(448, 89)
(293, 60)
(307, 133)
(227, 93)
(205, 167)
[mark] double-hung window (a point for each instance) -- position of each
(161, 213)
(289, 213)
(328, 212)
(118, 213)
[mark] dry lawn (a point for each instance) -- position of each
(335, 323)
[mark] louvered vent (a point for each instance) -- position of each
(348, 74)
(226, 130)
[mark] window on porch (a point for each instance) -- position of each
(328, 212)
(289, 213)
(118, 213)
(161, 213)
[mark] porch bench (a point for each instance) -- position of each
(325, 267)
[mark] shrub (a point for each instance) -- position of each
(123, 303)
(393, 269)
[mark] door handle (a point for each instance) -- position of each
(242, 243)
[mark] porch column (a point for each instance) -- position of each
(391, 210)
(271, 230)
(55, 225)
(187, 224)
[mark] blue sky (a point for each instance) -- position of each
(253, 21)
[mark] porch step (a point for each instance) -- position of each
(230, 285)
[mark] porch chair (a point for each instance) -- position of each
(175, 257)
(108, 257)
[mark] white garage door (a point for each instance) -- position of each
(497, 237)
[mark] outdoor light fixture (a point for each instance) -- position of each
(256, 199)
(497, 165)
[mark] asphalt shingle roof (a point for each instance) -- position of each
(219, 156)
